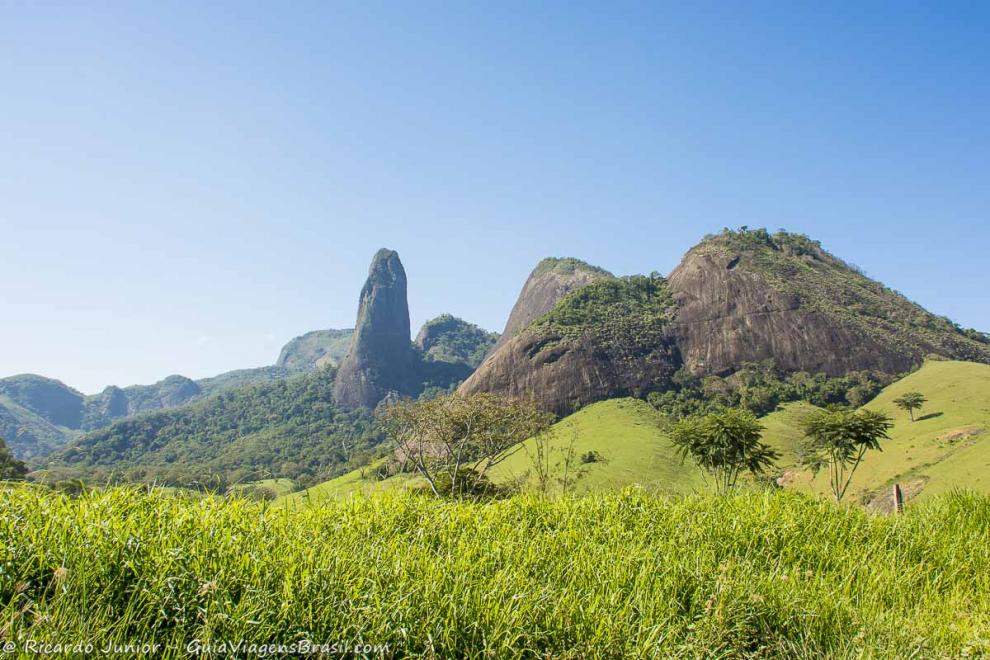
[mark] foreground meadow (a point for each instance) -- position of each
(612, 575)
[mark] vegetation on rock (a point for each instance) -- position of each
(797, 266)
(450, 339)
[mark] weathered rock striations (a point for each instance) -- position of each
(749, 296)
(738, 297)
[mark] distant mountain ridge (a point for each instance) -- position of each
(39, 415)
(319, 348)
(577, 335)
(306, 426)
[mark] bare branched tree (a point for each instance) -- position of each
(452, 440)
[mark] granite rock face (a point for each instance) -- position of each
(564, 374)
(551, 280)
(607, 339)
(738, 297)
(381, 358)
(728, 316)
(745, 298)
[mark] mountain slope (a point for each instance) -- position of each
(737, 298)
(319, 348)
(947, 448)
(604, 340)
(289, 429)
(50, 399)
(550, 281)
(749, 296)
(39, 415)
(628, 447)
(29, 435)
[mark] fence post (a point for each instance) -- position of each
(898, 499)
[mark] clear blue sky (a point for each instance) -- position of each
(185, 186)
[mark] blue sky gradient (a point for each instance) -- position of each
(186, 186)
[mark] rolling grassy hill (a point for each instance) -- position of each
(629, 449)
(945, 449)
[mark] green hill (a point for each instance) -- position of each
(622, 434)
(623, 446)
(948, 445)
(946, 448)
(360, 481)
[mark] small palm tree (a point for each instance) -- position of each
(724, 444)
(838, 439)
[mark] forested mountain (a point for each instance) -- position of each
(450, 339)
(39, 415)
(286, 428)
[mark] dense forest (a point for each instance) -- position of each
(289, 429)
(760, 387)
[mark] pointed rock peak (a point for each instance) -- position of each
(383, 307)
(380, 352)
(385, 270)
(551, 280)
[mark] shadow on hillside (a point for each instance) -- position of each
(928, 416)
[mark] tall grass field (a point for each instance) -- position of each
(622, 574)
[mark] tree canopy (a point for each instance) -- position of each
(724, 444)
(838, 440)
(453, 441)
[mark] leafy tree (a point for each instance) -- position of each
(910, 402)
(11, 469)
(453, 441)
(724, 444)
(839, 439)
